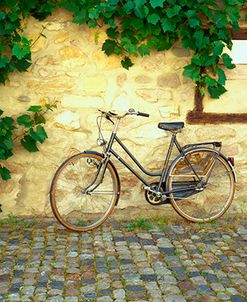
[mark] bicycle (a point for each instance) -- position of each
(199, 183)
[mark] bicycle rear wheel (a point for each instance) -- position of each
(206, 198)
(73, 205)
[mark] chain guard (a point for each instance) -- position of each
(152, 198)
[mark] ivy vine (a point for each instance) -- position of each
(26, 129)
(135, 27)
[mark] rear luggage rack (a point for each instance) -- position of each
(215, 145)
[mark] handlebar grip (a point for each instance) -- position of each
(143, 114)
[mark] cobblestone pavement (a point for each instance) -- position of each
(171, 263)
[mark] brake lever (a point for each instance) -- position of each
(109, 119)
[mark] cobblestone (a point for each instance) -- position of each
(175, 264)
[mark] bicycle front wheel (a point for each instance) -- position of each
(202, 185)
(81, 199)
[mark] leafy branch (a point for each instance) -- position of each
(136, 28)
(27, 129)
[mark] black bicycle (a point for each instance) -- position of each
(199, 183)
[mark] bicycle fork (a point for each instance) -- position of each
(98, 179)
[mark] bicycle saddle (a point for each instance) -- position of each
(171, 126)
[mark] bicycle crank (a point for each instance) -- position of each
(153, 197)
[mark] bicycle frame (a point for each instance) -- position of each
(162, 175)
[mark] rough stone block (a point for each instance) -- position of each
(24, 98)
(75, 101)
(54, 26)
(169, 80)
(73, 54)
(61, 37)
(68, 120)
(96, 83)
(143, 79)
(149, 131)
(180, 52)
(166, 111)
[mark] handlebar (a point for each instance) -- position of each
(110, 114)
(143, 114)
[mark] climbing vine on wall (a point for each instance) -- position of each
(136, 28)
(26, 129)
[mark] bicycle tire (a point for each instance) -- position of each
(214, 199)
(70, 205)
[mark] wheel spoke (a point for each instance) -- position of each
(101, 192)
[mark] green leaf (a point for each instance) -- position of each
(168, 24)
(7, 121)
(215, 92)
(136, 23)
(4, 173)
(40, 134)
(112, 33)
(224, 34)
(109, 46)
(191, 13)
(128, 45)
(25, 120)
(233, 13)
(81, 17)
(29, 143)
(235, 2)
(140, 2)
(8, 142)
(22, 49)
(3, 61)
(192, 71)
(202, 41)
(128, 6)
(210, 60)
(2, 15)
(92, 24)
(6, 125)
(227, 60)
(202, 90)
(198, 59)
(217, 48)
(126, 63)
(220, 19)
(210, 81)
(23, 64)
(93, 13)
(221, 76)
(153, 19)
(1, 112)
(18, 51)
(160, 43)
(141, 10)
(173, 11)
(203, 59)
(35, 108)
(144, 50)
(194, 22)
(113, 2)
(157, 3)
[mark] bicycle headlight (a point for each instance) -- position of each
(101, 142)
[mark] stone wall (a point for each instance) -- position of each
(69, 66)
